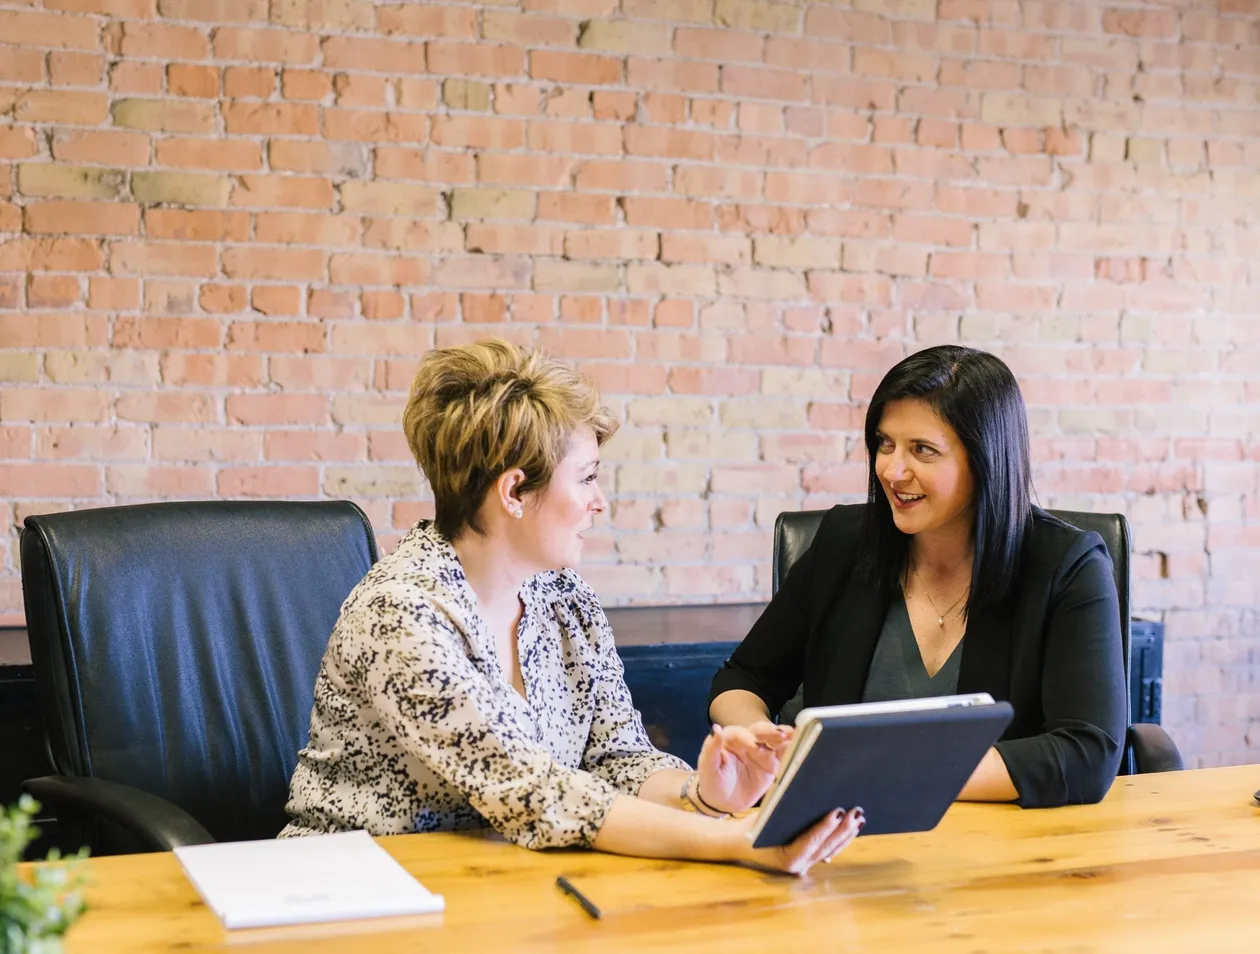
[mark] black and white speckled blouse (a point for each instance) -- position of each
(416, 727)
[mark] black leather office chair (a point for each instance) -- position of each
(175, 648)
(1148, 748)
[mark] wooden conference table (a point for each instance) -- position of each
(1165, 863)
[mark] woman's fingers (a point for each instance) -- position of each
(807, 850)
(827, 838)
(770, 735)
(849, 828)
(744, 745)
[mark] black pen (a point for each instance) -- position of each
(565, 885)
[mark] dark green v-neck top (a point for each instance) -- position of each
(897, 670)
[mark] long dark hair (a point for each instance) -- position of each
(975, 393)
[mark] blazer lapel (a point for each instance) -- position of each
(986, 656)
(853, 627)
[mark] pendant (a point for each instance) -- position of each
(940, 621)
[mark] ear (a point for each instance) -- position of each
(507, 490)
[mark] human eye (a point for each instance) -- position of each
(926, 451)
(885, 445)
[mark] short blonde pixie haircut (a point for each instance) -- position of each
(479, 410)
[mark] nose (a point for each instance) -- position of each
(600, 503)
(895, 470)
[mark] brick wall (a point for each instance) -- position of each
(228, 228)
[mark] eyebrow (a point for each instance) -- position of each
(916, 440)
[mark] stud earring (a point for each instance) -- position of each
(518, 513)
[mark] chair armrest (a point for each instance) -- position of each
(1153, 749)
(158, 822)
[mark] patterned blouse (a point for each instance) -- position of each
(416, 726)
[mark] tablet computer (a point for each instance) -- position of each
(903, 762)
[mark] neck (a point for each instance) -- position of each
(494, 573)
(944, 553)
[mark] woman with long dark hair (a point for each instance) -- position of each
(950, 580)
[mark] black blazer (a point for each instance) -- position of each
(1052, 648)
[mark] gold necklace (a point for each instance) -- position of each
(940, 617)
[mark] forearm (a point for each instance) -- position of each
(636, 826)
(990, 782)
(664, 787)
(738, 707)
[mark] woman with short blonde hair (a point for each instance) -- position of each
(472, 679)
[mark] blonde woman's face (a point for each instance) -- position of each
(566, 509)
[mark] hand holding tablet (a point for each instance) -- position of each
(904, 762)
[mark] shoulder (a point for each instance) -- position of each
(841, 526)
(566, 588)
(571, 600)
(415, 589)
(1053, 548)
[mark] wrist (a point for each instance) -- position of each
(691, 795)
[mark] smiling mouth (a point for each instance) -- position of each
(908, 498)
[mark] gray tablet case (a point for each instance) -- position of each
(904, 769)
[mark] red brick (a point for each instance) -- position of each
(49, 30)
(308, 445)
(1156, 23)
(359, 89)
(55, 255)
(25, 66)
(136, 78)
(51, 291)
(388, 56)
(181, 368)
(374, 126)
(268, 46)
(82, 218)
(274, 263)
(182, 332)
(566, 137)
(162, 258)
(249, 82)
(163, 41)
(214, 10)
(225, 155)
(241, 117)
(428, 21)
(184, 79)
(106, 148)
(37, 480)
(68, 107)
(587, 69)
(272, 409)
(270, 481)
(198, 226)
(576, 207)
(294, 192)
(76, 69)
(669, 75)
(302, 228)
(667, 213)
(369, 269)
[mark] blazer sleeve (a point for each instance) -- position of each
(770, 662)
(1075, 758)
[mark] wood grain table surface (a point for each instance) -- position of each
(1164, 863)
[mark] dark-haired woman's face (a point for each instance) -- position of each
(923, 468)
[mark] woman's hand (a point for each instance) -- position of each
(829, 836)
(738, 763)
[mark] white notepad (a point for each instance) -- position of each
(344, 876)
